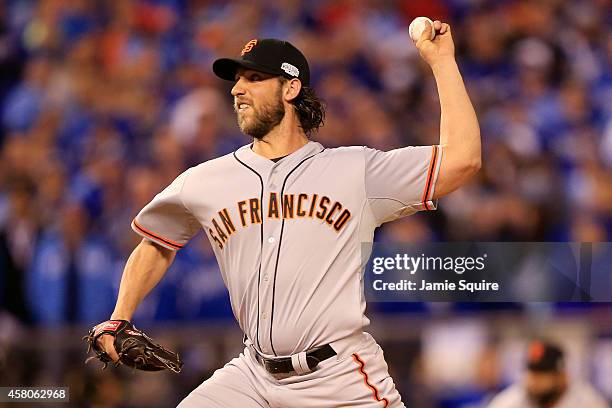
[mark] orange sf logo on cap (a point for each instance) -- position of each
(536, 352)
(248, 47)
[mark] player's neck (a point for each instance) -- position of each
(283, 140)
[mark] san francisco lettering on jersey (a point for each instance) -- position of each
(289, 207)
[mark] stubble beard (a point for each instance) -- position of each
(546, 399)
(264, 119)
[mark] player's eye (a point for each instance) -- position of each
(255, 77)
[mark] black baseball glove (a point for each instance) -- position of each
(135, 348)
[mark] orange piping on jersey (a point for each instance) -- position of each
(432, 166)
(156, 237)
(361, 370)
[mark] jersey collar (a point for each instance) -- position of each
(260, 163)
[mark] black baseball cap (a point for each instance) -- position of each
(268, 55)
(543, 356)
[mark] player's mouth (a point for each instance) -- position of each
(241, 107)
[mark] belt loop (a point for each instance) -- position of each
(300, 364)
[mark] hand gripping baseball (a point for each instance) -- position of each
(134, 348)
(440, 48)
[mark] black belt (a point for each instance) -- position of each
(283, 365)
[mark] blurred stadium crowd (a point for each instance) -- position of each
(103, 103)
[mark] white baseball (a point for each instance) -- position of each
(416, 28)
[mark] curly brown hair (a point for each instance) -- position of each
(309, 108)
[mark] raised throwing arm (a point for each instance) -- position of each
(459, 130)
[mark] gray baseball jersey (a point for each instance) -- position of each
(288, 234)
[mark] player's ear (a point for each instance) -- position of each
(291, 89)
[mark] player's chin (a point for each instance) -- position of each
(253, 130)
(242, 121)
(245, 126)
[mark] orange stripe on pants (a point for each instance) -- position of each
(375, 393)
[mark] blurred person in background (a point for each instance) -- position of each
(546, 383)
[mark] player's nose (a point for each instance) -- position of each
(238, 88)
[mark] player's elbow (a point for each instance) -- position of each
(473, 166)
(465, 164)
(466, 170)
(471, 162)
(457, 168)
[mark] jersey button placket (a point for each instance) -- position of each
(271, 184)
(270, 244)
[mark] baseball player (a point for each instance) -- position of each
(286, 218)
(546, 384)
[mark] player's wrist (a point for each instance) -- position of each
(119, 315)
(442, 63)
